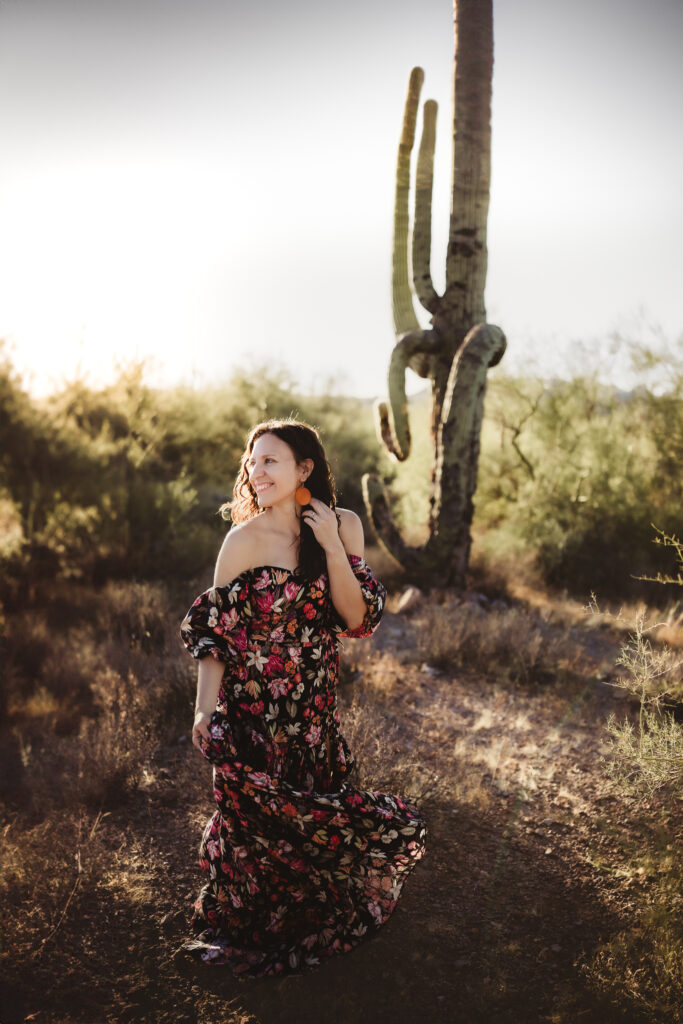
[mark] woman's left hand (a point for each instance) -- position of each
(323, 521)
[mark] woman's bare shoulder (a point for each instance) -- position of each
(351, 531)
(237, 552)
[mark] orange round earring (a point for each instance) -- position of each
(303, 495)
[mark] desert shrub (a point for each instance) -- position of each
(577, 470)
(650, 758)
(641, 967)
(510, 643)
(126, 481)
(93, 687)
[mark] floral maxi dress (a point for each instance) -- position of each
(300, 864)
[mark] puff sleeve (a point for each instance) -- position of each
(374, 595)
(216, 623)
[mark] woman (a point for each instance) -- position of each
(301, 865)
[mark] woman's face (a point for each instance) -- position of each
(273, 472)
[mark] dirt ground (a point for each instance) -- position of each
(523, 878)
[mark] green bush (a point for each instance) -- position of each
(125, 482)
(577, 471)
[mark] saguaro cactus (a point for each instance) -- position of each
(456, 352)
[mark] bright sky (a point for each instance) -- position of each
(211, 182)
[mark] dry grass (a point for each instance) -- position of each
(387, 759)
(455, 741)
(514, 644)
(48, 870)
(90, 695)
(640, 968)
(517, 579)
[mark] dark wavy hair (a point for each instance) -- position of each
(305, 443)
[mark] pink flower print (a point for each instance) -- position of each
(309, 610)
(295, 655)
(319, 701)
(292, 591)
(213, 849)
(274, 664)
(229, 620)
(257, 707)
(265, 601)
(376, 911)
(262, 581)
(334, 842)
(239, 638)
(354, 798)
(277, 635)
(260, 778)
(313, 735)
(279, 687)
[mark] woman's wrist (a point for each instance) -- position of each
(200, 711)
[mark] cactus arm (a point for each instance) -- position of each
(422, 230)
(388, 534)
(404, 311)
(414, 350)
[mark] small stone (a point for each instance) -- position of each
(548, 850)
(429, 669)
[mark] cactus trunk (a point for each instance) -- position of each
(457, 351)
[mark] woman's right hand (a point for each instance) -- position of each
(200, 729)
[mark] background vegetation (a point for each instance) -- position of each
(124, 482)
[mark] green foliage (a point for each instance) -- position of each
(577, 470)
(126, 481)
